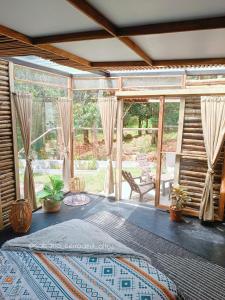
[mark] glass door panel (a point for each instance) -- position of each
(139, 158)
(168, 153)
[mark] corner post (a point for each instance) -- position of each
(13, 114)
(159, 150)
(119, 149)
(70, 98)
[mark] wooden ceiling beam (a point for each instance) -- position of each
(114, 64)
(160, 63)
(157, 28)
(25, 40)
(8, 32)
(99, 18)
(189, 62)
(72, 37)
(171, 27)
(95, 15)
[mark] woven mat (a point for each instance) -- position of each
(195, 277)
(76, 200)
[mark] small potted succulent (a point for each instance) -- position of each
(52, 194)
(179, 199)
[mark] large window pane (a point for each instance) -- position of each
(45, 138)
(90, 159)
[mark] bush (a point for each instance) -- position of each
(128, 137)
(86, 165)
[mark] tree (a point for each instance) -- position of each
(44, 110)
(143, 112)
(86, 112)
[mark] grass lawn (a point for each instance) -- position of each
(94, 180)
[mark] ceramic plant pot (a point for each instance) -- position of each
(176, 214)
(50, 206)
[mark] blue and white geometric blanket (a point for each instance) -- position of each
(30, 275)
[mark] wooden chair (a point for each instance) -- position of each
(141, 188)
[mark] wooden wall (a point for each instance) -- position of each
(9, 190)
(192, 161)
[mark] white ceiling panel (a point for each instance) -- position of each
(43, 17)
(132, 12)
(184, 45)
(100, 50)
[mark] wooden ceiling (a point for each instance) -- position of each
(14, 43)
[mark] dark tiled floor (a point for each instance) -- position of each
(208, 242)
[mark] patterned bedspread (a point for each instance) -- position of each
(32, 276)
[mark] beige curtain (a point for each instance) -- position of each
(64, 107)
(23, 105)
(108, 109)
(213, 124)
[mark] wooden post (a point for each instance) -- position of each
(13, 114)
(222, 193)
(179, 140)
(120, 83)
(184, 80)
(159, 150)
(70, 98)
(119, 149)
(1, 217)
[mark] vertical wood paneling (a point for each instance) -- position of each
(193, 162)
(222, 192)
(8, 150)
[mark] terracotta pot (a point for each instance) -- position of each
(21, 216)
(176, 214)
(51, 206)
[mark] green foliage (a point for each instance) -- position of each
(171, 114)
(86, 115)
(85, 109)
(179, 197)
(141, 112)
(42, 112)
(86, 164)
(146, 114)
(53, 190)
(128, 137)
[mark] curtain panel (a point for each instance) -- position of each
(213, 124)
(64, 107)
(23, 105)
(108, 110)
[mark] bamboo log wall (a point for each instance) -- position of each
(7, 158)
(193, 163)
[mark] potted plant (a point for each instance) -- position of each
(179, 199)
(52, 194)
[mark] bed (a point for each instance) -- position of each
(77, 260)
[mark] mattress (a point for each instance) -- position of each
(95, 272)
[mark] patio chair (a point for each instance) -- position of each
(141, 188)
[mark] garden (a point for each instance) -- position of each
(140, 131)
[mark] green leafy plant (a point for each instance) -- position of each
(52, 191)
(179, 197)
(92, 164)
